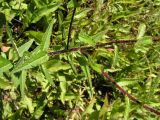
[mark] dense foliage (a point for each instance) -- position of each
(35, 84)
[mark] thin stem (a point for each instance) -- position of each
(98, 45)
(131, 97)
(70, 28)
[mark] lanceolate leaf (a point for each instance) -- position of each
(141, 30)
(38, 14)
(82, 13)
(22, 83)
(115, 59)
(25, 47)
(4, 64)
(33, 61)
(46, 37)
(127, 108)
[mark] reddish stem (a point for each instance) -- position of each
(131, 97)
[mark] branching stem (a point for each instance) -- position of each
(98, 45)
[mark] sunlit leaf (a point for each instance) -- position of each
(46, 37)
(89, 108)
(83, 37)
(36, 35)
(126, 83)
(4, 84)
(45, 10)
(127, 109)
(28, 104)
(25, 47)
(56, 65)
(63, 86)
(116, 57)
(22, 83)
(4, 64)
(81, 13)
(33, 61)
(104, 109)
(141, 30)
(143, 44)
(40, 109)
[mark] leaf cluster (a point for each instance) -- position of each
(35, 85)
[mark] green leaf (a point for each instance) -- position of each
(99, 4)
(116, 57)
(45, 41)
(63, 86)
(9, 14)
(127, 1)
(36, 35)
(39, 3)
(22, 83)
(85, 68)
(32, 61)
(70, 96)
(46, 37)
(126, 83)
(45, 10)
(141, 30)
(36, 50)
(81, 14)
(4, 64)
(73, 4)
(124, 14)
(104, 109)
(56, 65)
(4, 84)
(18, 5)
(97, 67)
(47, 75)
(40, 109)
(143, 44)
(127, 109)
(83, 37)
(28, 104)
(99, 36)
(15, 80)
(89, 108)
(25, 47)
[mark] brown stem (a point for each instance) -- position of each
(131, 97)
(98, 45)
